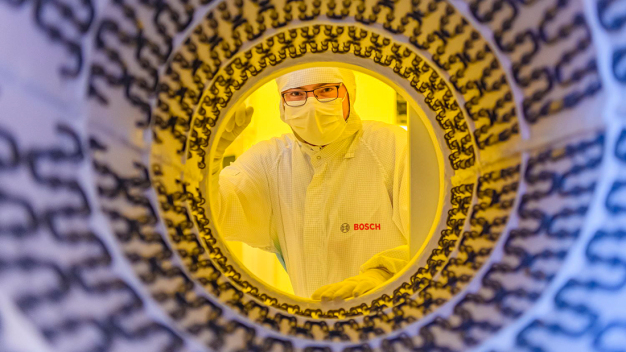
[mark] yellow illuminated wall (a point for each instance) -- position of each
(375, 101)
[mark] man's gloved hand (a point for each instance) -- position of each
(354, 286)
(237, 123)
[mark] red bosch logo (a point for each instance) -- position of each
(370, 226)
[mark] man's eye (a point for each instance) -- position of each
(327, 89)
(295, 94)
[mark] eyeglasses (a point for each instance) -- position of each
(298, 97)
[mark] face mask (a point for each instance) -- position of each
(315, 122)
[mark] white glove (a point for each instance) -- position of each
(354, 286)
(237, 123)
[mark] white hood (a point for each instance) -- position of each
(317, 75)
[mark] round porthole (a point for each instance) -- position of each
(377, 102)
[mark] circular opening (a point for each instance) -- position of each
(274, 260)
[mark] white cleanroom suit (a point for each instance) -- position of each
(331, 212)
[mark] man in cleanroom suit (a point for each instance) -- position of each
(331, 199)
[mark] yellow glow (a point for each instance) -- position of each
(375, 101)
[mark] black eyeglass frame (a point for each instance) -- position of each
(306, 96)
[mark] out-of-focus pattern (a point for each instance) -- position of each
(108, 111)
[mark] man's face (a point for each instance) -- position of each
(341, 93)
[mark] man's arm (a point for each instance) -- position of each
(239, 193)
(401, 195)
(391, 260)
(242, 201)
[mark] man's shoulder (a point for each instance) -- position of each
(277, 144)
(273, 147)
(265, 153)
(377, 133)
